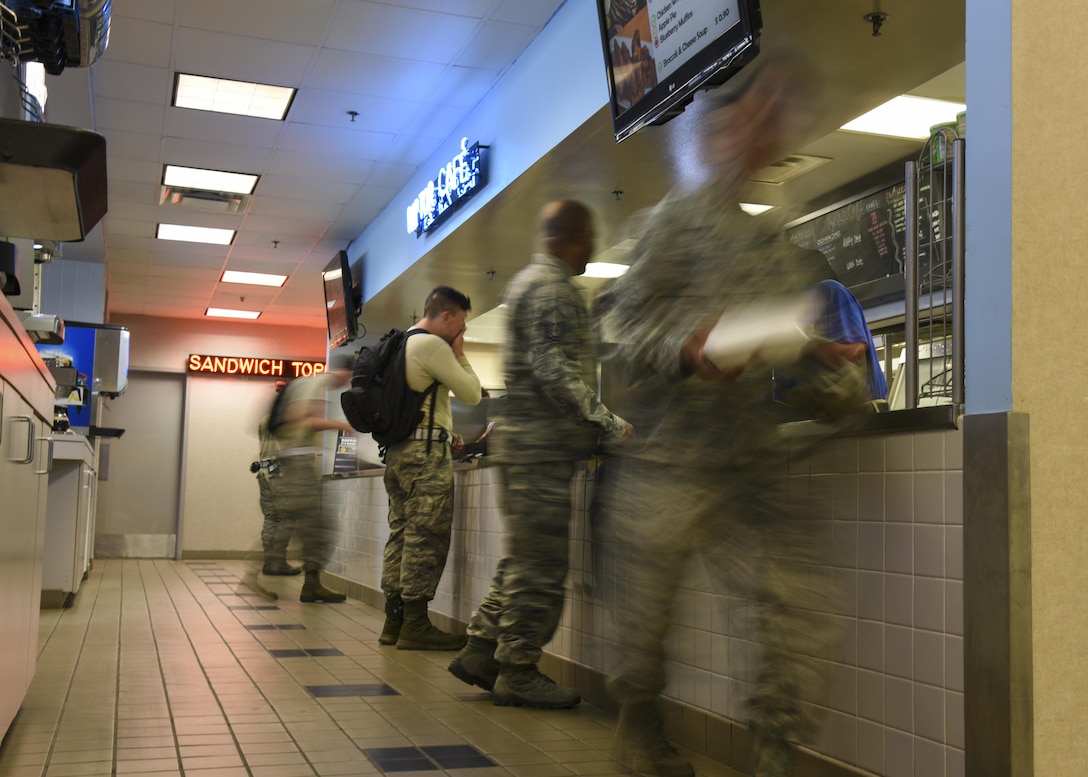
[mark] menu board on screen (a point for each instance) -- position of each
(864, 239)
(659, 52)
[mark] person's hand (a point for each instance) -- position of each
(458, 343)
(695, 361)
(835, 355)
(457, 443)
(629, 434)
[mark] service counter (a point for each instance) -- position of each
(26, 412)
(890, 486)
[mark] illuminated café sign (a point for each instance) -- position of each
(253, 365)
(456, 182)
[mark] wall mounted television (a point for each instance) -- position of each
(343, 297)
(658, 53)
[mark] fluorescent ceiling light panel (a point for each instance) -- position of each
(209, 180)
(905, 117)
(604, 270)
(253, 278)
(243, 98)
(222, 237)
(229, 313)
(755, 208)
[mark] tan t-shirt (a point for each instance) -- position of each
(429, 358)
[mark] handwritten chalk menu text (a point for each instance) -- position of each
(680, 28)
(863, 240)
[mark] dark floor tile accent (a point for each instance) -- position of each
(273, 626)
(400, 759)
(323, 652)
(458, 756)
(252, 607)
(330, 691)
(288, 653)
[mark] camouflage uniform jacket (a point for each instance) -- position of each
(699, 255)
(551, 410)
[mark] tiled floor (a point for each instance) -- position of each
(178, 668)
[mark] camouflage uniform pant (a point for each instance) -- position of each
(277, 529)
(298, 499)
(420, 489)
(522, 609)
(758, 546)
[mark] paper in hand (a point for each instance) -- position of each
(772, 333)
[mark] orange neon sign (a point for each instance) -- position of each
(253, 365)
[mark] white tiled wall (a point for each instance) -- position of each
(894, 513)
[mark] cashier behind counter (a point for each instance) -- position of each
(472, 424)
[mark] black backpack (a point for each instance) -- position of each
(380, 401)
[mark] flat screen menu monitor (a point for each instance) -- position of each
(864, 239)
(659, 52)
(339, 300)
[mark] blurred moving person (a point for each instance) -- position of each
(550, 421)
(298, 459)
(419, 476)
(707, 475)
(277, 528)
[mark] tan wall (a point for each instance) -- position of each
(1049, 283)
(220, 511)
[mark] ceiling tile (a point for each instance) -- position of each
(278, 20)
(306, 190)
(136, 83)
(211, 127)
(375, 28)
(475, 8)
(240, 58)
(353, 144)
(330, 109)
(151, 10)
(279, 226)
(128, 115)
(323, 212)
(137, 170)
(355, 73)
(139, 41)
(463, 87)
(215, 156)
(535, 14)
(328, 168)
(134, 145)
(496, 46)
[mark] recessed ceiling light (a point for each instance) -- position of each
(604, 270)
(243, 98)
(253, 278)
(222, 237)
(905, 117)
(229, 313)
(755, 208)
(209, 180)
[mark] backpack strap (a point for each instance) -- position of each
(432, 389)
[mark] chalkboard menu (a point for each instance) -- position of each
(863, 239)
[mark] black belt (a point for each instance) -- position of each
(439, 435)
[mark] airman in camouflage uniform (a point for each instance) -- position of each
(708, 475)
(298, 458)
(419, 476)
(277, 528)
(550, 421)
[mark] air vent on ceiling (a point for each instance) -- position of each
(202, 199)
(790, 167)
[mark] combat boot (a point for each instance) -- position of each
(275, 564)
(394, 619)
(314, 591)
(642, 742)
(525, 686)
(418, 633)
(771, 757)
(476, 664)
